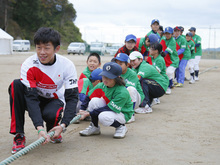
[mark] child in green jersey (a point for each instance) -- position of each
(132, 82)
(155, 23)
(93, 62)
(153, 83)
(108, 102)
(191, 62)
(198, 51)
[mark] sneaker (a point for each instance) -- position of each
(120, 132)
(196, 78)
(18, 143)
(192, 81)
(168, 92)
(132, 119)
(155, 101)
(91, 130)
(145, 109)
(59, 139)
(179, 85)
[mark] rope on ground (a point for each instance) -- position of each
(32, 145)
(206, 70)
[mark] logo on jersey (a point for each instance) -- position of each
(35, 62)
(73, 81)
(108, 68)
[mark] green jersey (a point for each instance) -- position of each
(198, 50)
(84, 86)
(181, 41)
(117, 98)
(159, 64)
(85, 74)
(152, 32)
(142, 43)
(173, 58)
(131, 79)
(147, 71)
(191, 46)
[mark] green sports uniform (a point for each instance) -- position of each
(197, 39)
(86, 73)
(84, 86)
(142, 43)
(181, 41)
(131, 79)
(147, 71)
(152, 32)
(159, 64)
(171, 48)
(117, 98)
(191, 45)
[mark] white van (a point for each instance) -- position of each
(21, 45)
(76, 48)
(97, 47)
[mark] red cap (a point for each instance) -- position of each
(177, 28)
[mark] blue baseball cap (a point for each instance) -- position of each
(189, 34)
(122, 57)
(95, 74)
(130, 37)
(111, 70)
(192, 29)
(168, 30)
(153, 38)
(155, 20)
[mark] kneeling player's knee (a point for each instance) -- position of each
(105, 120)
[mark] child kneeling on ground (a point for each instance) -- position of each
(108, 102)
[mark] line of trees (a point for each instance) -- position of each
(22, 18)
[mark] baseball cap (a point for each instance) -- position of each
(130, 37)
(189, 34)
(153, 38)
(95, 74)
(177, 28)
(122, 57)
(192, 29)
(155, 20)
(168, 30)
(135, 54)
(111, 70)
(181, 28)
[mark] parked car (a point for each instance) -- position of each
(97, 47)
(21, 45)
(76, 48)
(114, 48)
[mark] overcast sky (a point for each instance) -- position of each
(110, 21)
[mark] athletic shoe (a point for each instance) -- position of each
(174, 82)
(132, 119)
(91, 130)
(18, 143)
(59, 139)
(196, 78)
(179, 85)
(120, 132)
(155, 101)
(192, 81)
(145, 109)
(168, 92)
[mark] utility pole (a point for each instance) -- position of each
(209, 39)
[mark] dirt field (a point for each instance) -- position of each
(183, 130)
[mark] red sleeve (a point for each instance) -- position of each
(82, 76)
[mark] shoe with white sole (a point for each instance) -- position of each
(155, 101)
(145, 109)
(91, 130)
(168, 92)
(196, 78)
(132, 119)
(120, 132)
(192, 81)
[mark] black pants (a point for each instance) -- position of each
(51, 109)
(151, 90)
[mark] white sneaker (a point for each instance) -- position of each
(192, 81)
(91, 130)
(145, 109)
(168, 92)
(196, 78)
(120, 132)
(155, 101)
(132, 119)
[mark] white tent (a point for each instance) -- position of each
(6, 43)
